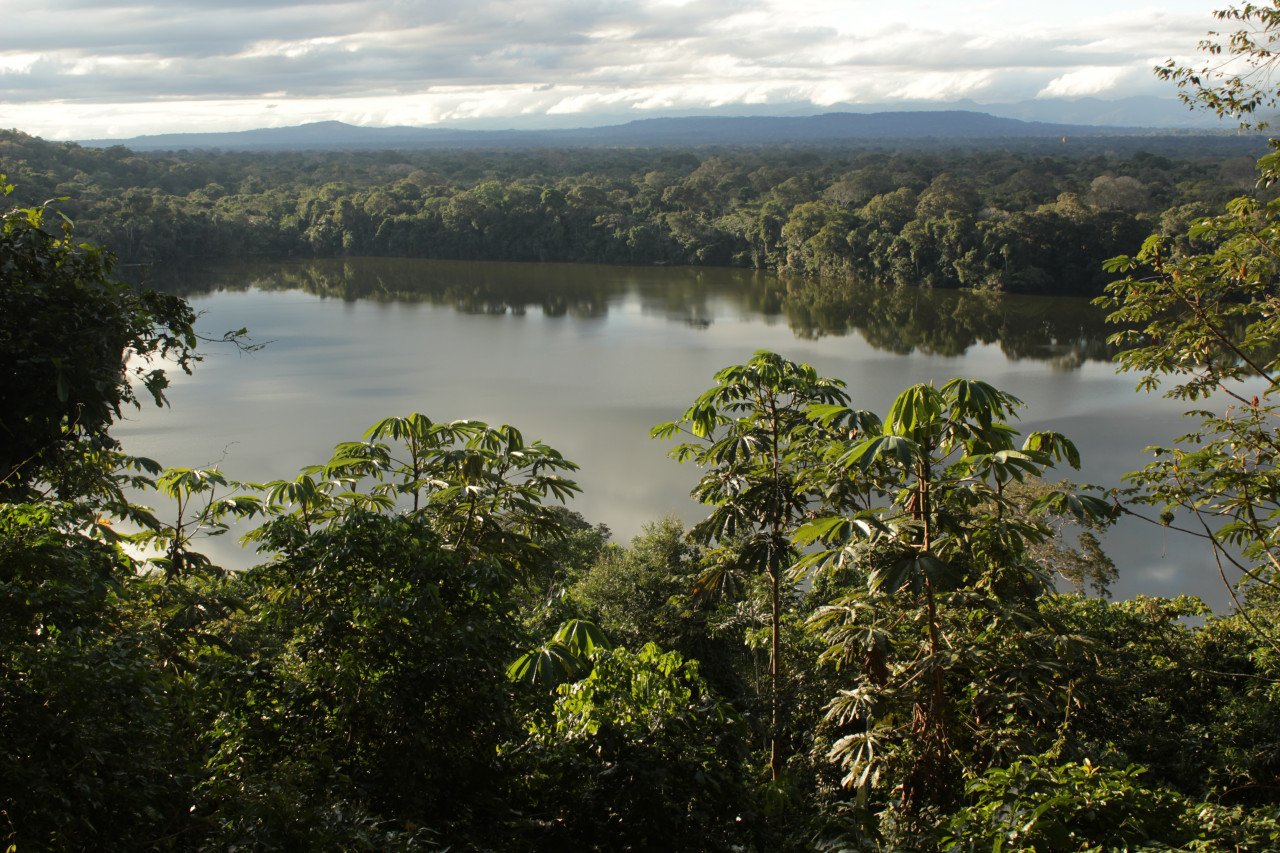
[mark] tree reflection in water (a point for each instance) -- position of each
(1065, 331)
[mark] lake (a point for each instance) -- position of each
(588, 358)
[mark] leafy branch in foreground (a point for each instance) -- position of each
(77, 346)
(1208, 324)
(1234, 80)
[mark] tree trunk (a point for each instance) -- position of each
(775, 677)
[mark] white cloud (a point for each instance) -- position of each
(1084, 82)
(289, 49)
(118, 65)
(946, 87)
(18, 63)
(586, 102)
(198, 65)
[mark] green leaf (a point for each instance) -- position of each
(820, 528)
(825, 413)
(911, 572)
(918, 407)
(1119, 264)
(664, 431)
(866, 453)
(548, 664)
(1055, 445)
(581, 637)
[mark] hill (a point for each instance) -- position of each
(828, 128)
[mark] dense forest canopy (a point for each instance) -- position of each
(860, 648)
(1029, 218)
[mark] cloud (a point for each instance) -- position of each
(1086, 81)
(436, 59)
(18, 63)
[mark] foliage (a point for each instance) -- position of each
(636, 593)
(480, 487)
(565, 656)
(1154, 685)
(639, 755)
(948, 591)
(73, 342)
(356, 691)
(378, 697)
(646, 593)
(202, 501)
(752, 435)
(1205, 322)
(568, 557)
(1074, 555)
(1033, 216)
(93, 741)
(376, 691)
(96, 661)
(1035, 805)
(1235, 80)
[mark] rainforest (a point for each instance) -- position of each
(879, 624)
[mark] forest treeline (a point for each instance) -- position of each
(1003, 220)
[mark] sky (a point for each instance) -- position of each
(82, 69)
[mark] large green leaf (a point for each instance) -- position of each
(548, 664)
(866, 453)
(581, 637)
(917, 409)
(911, 572)
(824, 529)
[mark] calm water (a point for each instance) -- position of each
(588, 358)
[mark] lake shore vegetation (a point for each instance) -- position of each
(1023, 217)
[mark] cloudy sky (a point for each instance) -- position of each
(76, 69)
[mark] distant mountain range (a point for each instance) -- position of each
(1145, 111)
(828, 128)
(1141, 111)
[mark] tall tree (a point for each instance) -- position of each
(752, 435)
(944, 551)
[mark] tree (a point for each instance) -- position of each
(1206, 323)
(1033, 805)
(1201, 315)
(481, 488)
(943, 551)
(633, 591)
(73, 341)
(639, 755)
(95, 712)
(1235, 81)
(752, 435)
(96, 746)
(375, 697)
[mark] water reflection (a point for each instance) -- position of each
(588, 358)
(1065, 332)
